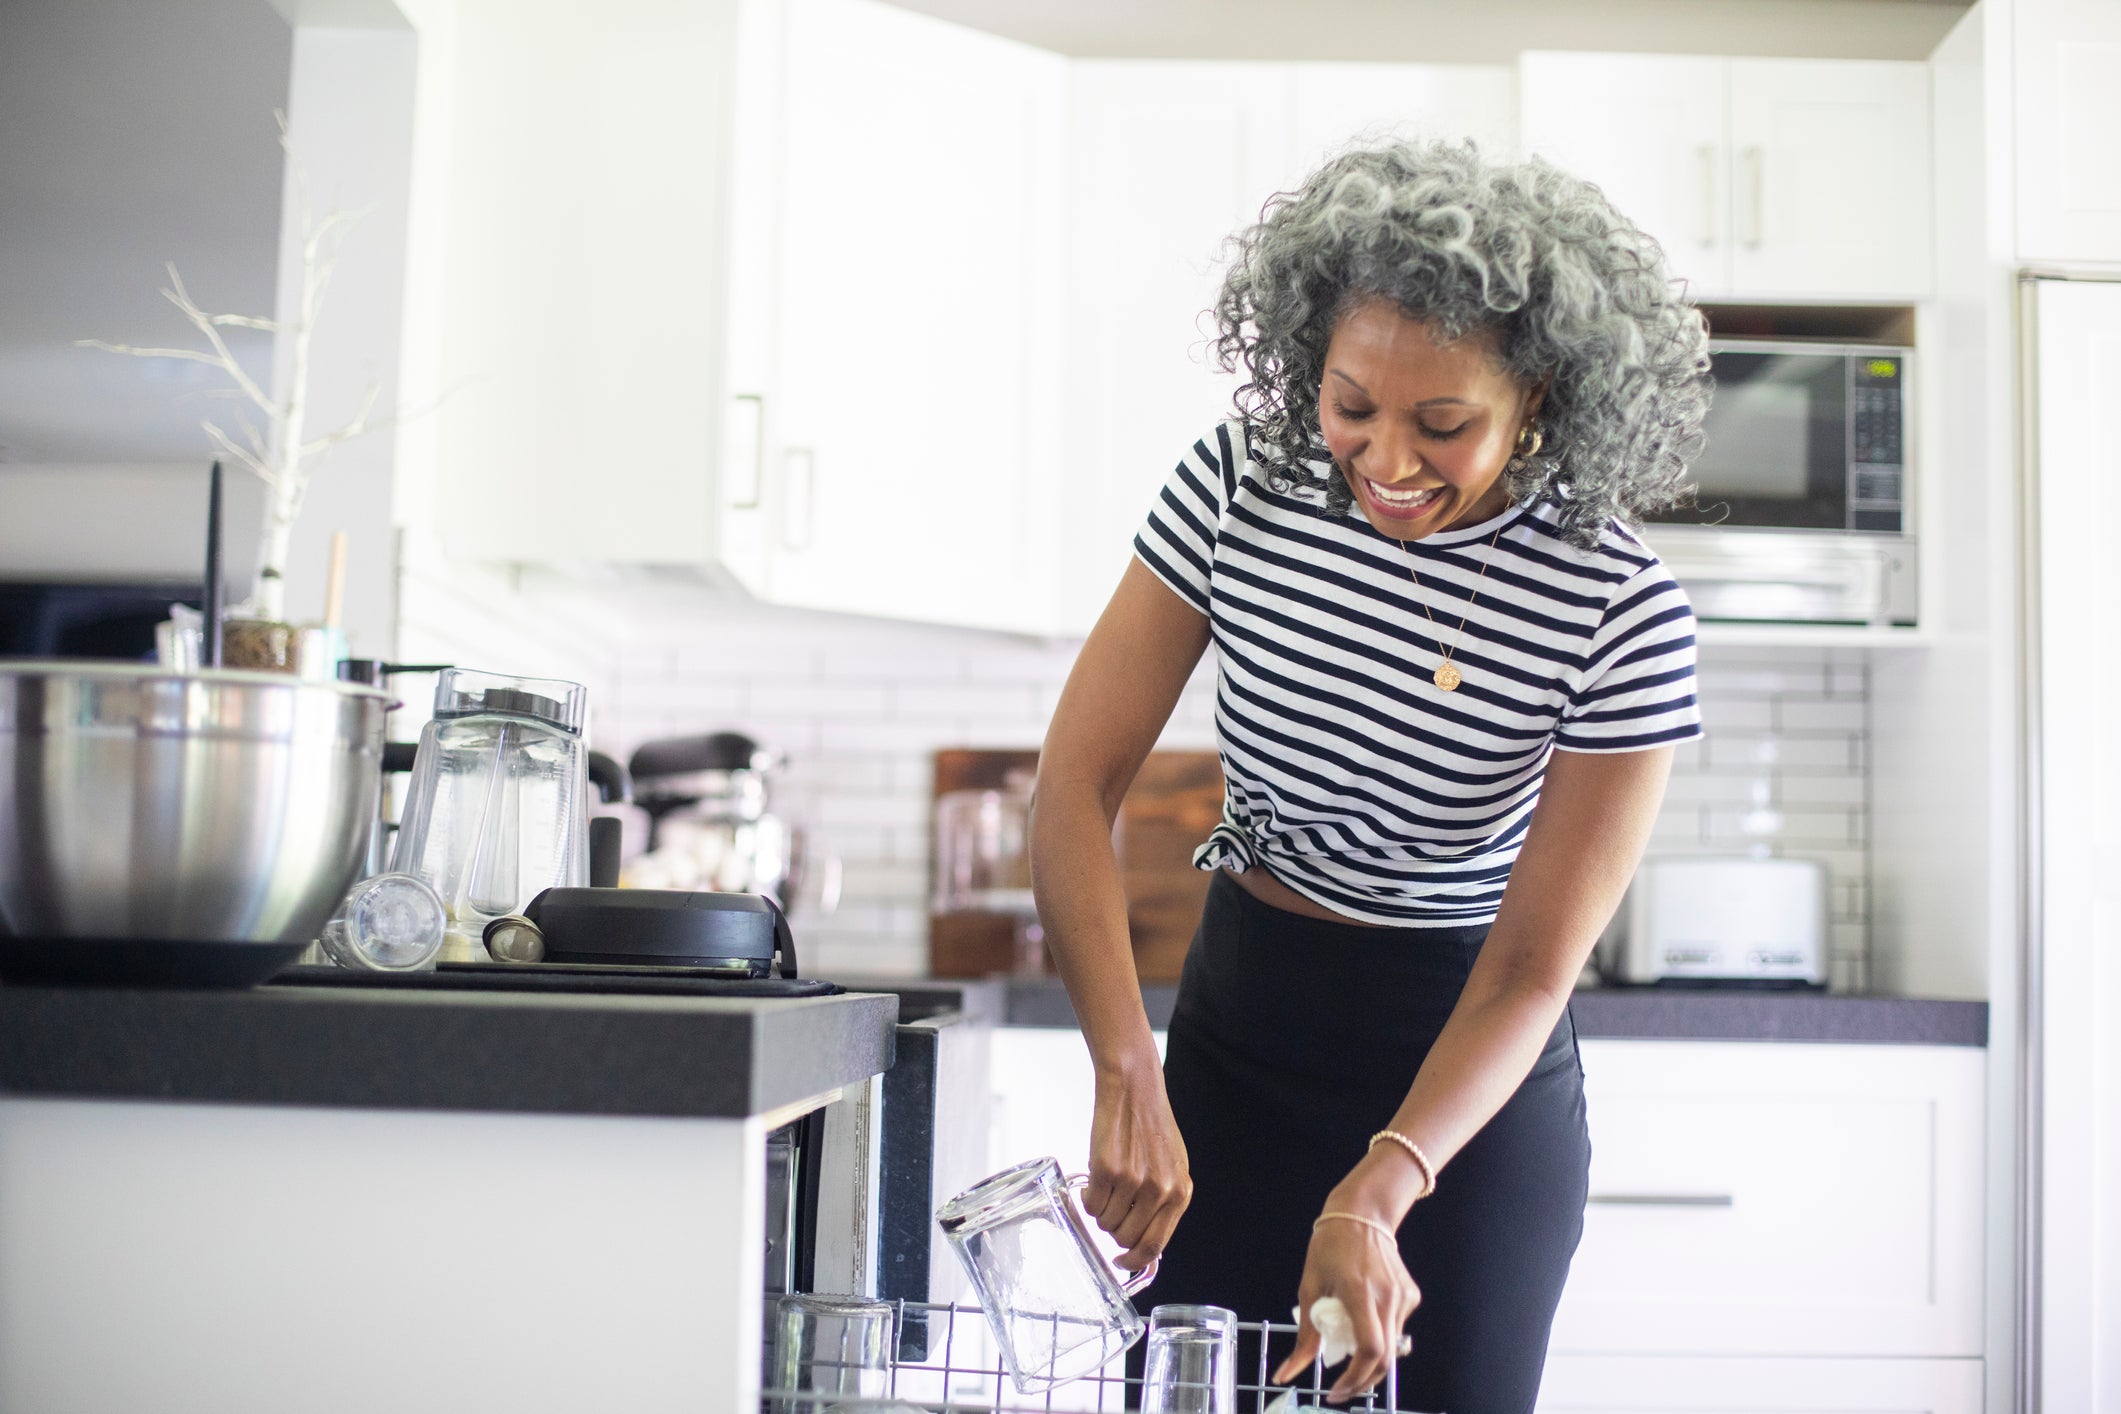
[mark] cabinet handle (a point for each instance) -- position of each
(797, 496)
(1662, 1200)
(1709, 222)
(1756, 183)
(754, 466)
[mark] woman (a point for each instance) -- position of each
(1449, 684)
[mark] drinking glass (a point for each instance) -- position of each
(1191, 1366)
(828, 1348)
(1058, 1311)
(386, 923)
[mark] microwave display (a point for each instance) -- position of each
(1802, 438)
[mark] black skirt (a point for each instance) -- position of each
(1293, 1041)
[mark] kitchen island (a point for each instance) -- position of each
(359, 1198)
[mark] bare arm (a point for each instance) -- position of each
(1119, 695)
(1586, 837)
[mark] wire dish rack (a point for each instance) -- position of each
(956, 1369)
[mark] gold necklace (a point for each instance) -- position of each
(1447, 675)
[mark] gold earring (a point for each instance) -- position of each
(1529, 440)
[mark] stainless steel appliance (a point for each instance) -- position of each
(189, 827)
(1717, 921)
(1803, 511)
(711, 824)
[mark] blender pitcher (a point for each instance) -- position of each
(1058, 1310)
(497, 809)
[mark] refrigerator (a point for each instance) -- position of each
(2069, 367)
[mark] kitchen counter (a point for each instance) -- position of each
(412, 1198)
(401, 1047)
(1649, 1013)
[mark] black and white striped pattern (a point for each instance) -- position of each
(1349, 774)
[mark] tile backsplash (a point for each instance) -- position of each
(861, 705)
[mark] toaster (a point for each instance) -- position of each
(1706, 921)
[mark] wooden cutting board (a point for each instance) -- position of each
(1175, 801)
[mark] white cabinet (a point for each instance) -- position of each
(765, 288)
(1776, 1226)
(1761, 178)
(1653, 131)
(908, 428)
(1165, 161)
(1773, 1226)
(1703, 1385)
(1830, 178)
(2067, 54)
(576, 224)
(1779, 1199)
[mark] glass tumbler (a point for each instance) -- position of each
(831, 1348)
(1191, 1364)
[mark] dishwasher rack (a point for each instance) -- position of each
(957, 1372)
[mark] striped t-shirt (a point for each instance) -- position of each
(1347, 772)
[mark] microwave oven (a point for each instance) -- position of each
(1802, 510)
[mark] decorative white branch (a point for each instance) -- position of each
(283, 459)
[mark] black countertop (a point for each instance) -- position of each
(401, 1047)
(1655, 1013)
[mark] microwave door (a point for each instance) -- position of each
(1777, 444)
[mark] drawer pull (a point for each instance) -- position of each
(1662, 1200)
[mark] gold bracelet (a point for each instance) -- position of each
(1391, 1238)
(1421, 1160)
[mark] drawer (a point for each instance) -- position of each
(1696, 1385)
(1779, 1199)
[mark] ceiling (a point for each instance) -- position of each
(136, 134)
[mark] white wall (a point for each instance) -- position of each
(350, 129)
(1945, 801)
(861, 706)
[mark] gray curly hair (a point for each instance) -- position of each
(1575, 297)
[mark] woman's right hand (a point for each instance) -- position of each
(1139, 1182)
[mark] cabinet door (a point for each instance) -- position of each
(580, 239)
(1166, 160)
(1335, 105)
(1757, 1198)
(1651, 131)
(1681, 1385)
(918, 282)
(1830, 178)
(2067, 54)
(743, 529)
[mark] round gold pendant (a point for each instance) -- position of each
(1447, 677)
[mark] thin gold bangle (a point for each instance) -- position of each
(1421, 1160)
(1391, 1237)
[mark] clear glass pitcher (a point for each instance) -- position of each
(1058, 1309)
(497, 809)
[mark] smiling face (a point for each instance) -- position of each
(1420, 429)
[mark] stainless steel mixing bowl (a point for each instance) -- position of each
(213, 808)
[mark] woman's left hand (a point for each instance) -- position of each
(1361, 1266)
